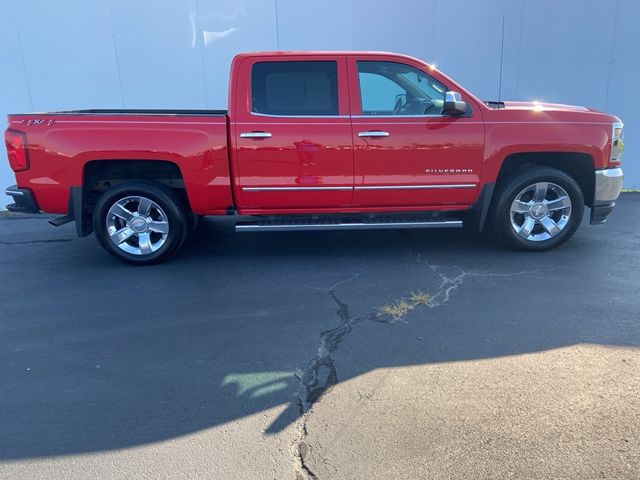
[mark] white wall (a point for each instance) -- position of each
(71, 54)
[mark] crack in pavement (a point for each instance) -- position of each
(449, 284)
(320, 373)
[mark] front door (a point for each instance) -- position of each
(406, 152)
(293, 142)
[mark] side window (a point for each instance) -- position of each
(378, 93)
(295, 88)
(390, 88)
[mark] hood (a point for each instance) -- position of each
(541, 106)
(541, 111)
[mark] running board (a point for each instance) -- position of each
(369, 224)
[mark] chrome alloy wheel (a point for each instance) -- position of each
(137, 225)
(541, 211)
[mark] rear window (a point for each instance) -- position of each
(295, 88)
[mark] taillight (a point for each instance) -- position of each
(17, 150)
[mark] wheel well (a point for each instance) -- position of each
(100, 175)
(579, 166)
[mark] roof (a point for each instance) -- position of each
(285, 53)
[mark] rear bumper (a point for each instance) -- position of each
(607, 191)
(23, 201)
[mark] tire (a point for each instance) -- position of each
(140, 223)
(537, 209)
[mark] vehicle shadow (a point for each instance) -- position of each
(101, 355)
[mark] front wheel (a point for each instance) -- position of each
(140, 223)
(538, 209)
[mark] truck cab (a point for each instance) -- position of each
(357, 132)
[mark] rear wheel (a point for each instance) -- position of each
(140, 223)
(538, 209)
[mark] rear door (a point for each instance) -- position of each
(292, 134)
(406, 152)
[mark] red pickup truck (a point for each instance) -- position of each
(320, 141)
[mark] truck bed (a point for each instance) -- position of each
(63, 146)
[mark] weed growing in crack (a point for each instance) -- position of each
(420, 298)
(396, 310)
(401, 307)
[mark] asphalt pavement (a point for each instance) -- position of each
(323, 355)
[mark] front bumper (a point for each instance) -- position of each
(607, 191)
(23, 201)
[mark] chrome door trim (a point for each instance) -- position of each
(287, 189)
(413, 187)
(270, 115)
(435, 115)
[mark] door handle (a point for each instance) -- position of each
(255, 135)
(373, 133)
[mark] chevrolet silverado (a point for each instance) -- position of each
(319, 141)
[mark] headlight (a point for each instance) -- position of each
(617, 142)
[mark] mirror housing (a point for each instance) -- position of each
(453, 104)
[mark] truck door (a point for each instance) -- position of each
(406, 152)
(292, 134)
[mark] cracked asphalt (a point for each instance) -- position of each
(267, 356)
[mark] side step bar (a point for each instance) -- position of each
(372, 224)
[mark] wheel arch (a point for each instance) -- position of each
(577, 165)
(99, 175)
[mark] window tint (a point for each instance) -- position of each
(390, 88)
(295, 88)
(378, 93)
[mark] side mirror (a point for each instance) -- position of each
(453, 104)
